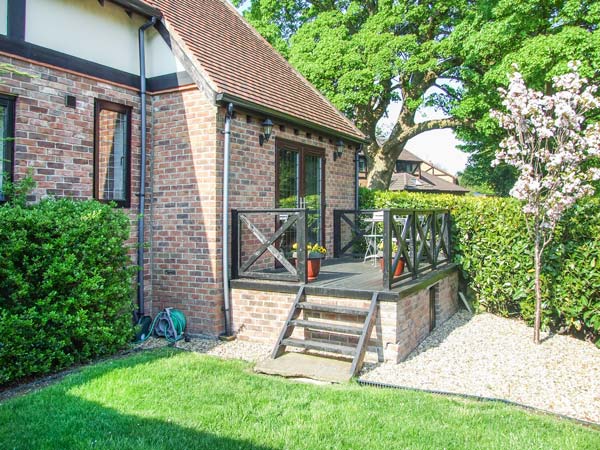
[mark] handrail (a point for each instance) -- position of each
(422, 238)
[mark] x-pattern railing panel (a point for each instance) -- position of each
(286, 220)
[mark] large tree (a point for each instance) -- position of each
(363, 55)
(448, 54)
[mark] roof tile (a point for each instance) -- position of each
(241, 63)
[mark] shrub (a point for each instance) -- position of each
(65, 285)
(492, 248)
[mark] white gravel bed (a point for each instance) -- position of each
(490, 356)
(229, 350)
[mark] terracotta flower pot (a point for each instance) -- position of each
(313, 266)
(399, 267)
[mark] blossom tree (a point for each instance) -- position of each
(551, 145)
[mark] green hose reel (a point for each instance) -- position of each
(169, 323)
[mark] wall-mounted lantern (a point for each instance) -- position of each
(267, 130)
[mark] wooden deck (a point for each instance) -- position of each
(346, 277)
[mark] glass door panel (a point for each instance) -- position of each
(288, 189)
(312, 197)
(299, 185)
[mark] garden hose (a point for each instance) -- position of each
(170, 323)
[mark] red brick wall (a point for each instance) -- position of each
(185, 186)
(185, 164)
(253, 166)
(400, 325)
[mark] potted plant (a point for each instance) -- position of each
(314, 254)
(401, 262)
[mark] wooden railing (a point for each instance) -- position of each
(258, 225)
(420, 238)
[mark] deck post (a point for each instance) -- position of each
(413, 231)
(433, 239)
(337, 233)
(301, 251)
(387, 250)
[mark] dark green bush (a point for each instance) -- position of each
(65, 285)
(492, 247)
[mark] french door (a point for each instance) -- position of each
(300, 183)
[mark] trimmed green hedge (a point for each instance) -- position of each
(65, 285)
(491, 246)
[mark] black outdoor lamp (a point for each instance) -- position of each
(267, 129)
(339, 149)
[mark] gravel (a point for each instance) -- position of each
(490, 356)
(482, 355)
(236, 349)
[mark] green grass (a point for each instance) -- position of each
(169, 399)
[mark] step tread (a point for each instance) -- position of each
(321, 346)
(333, 309)
(327, 326)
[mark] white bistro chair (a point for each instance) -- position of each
(373, 236)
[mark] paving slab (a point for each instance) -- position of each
(303, 365)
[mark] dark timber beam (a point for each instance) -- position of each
(16, 19)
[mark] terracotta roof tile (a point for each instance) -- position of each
(240, 63)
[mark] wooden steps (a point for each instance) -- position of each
(344, 333)
(327, 326)
(333, 309)
(320, 346)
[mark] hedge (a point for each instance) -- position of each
(492, 248)
(65, 285)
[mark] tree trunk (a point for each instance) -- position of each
(538, 290)
(380, 175)
(383, 163)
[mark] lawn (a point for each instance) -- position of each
(170, 399)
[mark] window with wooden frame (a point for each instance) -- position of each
(112, 153)
(7, 144)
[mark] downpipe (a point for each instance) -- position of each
(225, 236)
(142, 191)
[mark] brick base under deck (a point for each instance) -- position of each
(403, 316)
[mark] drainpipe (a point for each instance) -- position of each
(226, 300)
(142, 192)
(356, 172)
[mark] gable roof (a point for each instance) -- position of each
(405, 155)
(241, 64)
(402, 181)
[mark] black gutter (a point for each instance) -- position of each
(142, 192)
(139, 7)
(245, 104)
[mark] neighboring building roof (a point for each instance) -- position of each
(240, 63)
(405, 155)
(403, 181)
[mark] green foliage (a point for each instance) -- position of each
(491, 245)
(541, 37)
(65, 285)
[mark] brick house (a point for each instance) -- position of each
(76, 119)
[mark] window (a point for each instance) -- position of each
(362, 164)
(407, 167)
(112, 152)
(7, 133)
